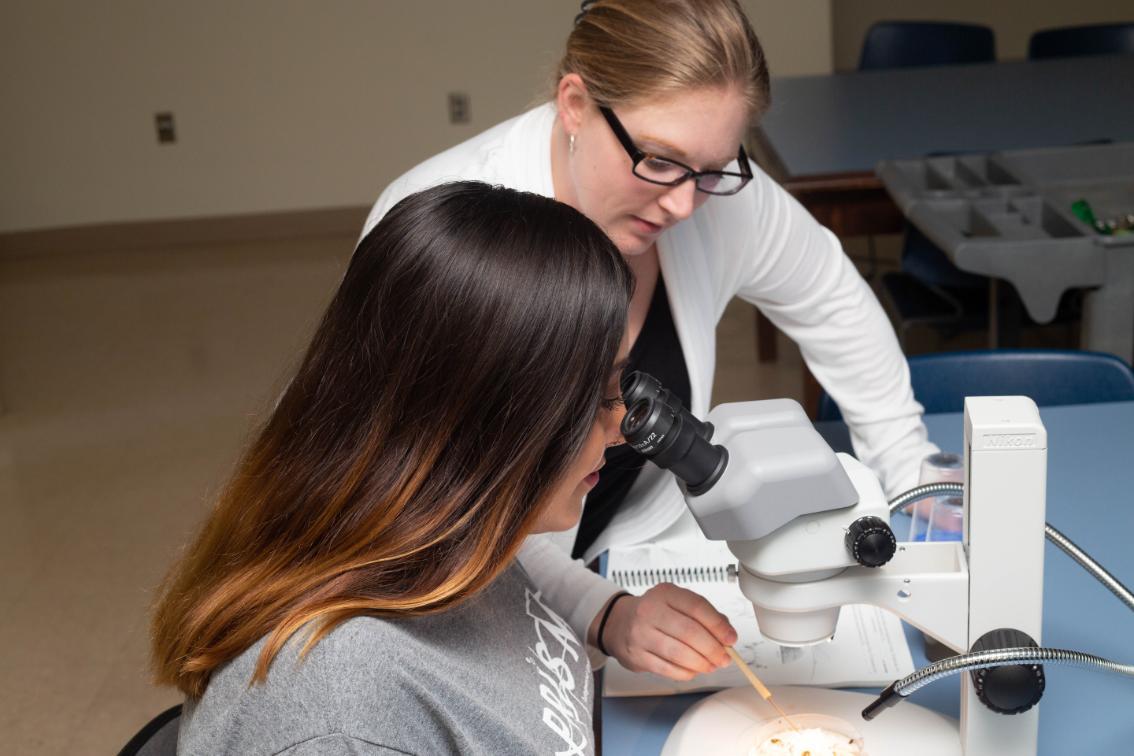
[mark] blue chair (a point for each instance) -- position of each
(931, 291)
(1049, 376)
(899, 44)
(1069, 41)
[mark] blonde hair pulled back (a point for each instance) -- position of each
(631, 51)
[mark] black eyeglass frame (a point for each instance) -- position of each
(637, 156)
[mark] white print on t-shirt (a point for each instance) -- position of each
(564, 711)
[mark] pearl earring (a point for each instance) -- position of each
(571, 144)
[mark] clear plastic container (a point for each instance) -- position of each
(939, 518)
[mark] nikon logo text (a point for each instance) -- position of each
(1010, 441)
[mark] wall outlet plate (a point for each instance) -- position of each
(459, 107)
(166, 134)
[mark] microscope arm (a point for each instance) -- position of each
(925, 584)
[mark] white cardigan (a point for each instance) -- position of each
(760, 245)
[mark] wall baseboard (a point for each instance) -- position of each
(296, 224)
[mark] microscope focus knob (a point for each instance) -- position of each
(1013, 688)
(871, 541)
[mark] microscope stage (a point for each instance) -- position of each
(726, 723)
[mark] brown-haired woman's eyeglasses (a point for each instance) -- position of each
(667, 172)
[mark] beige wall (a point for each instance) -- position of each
(796, 35)
(1013, 21)
(279, 104)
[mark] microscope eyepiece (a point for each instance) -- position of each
(636, 417)
(659, 427)
(637, 386)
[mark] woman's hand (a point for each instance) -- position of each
(668, 630)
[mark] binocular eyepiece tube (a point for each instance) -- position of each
(661, 429)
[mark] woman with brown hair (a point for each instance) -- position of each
(643, 134)
(355, 588)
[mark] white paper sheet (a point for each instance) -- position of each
(868, 649)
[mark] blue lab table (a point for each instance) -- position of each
(1090, 498)
(843, 124)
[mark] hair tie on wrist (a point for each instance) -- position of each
(605, 617)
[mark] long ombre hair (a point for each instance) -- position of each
(453, 379)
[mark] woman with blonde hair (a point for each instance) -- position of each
(355, 589)
(643, 134)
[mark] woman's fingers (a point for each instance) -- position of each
(703, 613)
(687, 631)
(677, 649)
(659, 666)
(670, 631)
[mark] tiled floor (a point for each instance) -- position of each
(130, 380)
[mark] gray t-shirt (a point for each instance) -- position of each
(500, 674)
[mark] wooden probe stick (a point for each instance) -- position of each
(759, 686)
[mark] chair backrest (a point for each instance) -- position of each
(897, 44)
(1049, 376)
(925, 261)
(1097, 39)
(158, 737)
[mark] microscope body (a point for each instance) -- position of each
(794, 513)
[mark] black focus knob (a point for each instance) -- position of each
(871, 541)
(1013, 688)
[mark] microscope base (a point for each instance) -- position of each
(726, 722)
